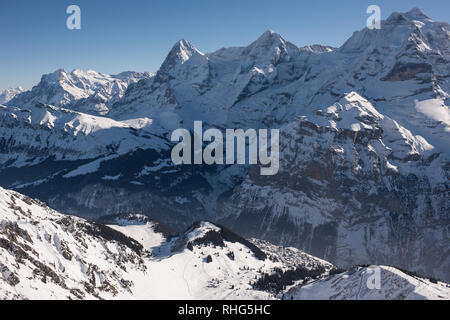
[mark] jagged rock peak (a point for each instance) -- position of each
(270, 48)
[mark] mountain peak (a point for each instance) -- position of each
(88, 91)
(416, 14)
(393, 32)
(317, 48)
(82, 73)
(183, 43)
(268, 33)
(181, 52)
(396, 18)
(54, 77)
(183, 49)
(269, 48)
(207, 233)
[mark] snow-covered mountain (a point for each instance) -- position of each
(353, 185)
(85, 91)
(9, 94)
(365, 132)
(47, 255)
(352, 285)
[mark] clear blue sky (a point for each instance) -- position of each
(137, 34)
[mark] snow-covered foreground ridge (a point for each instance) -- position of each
(46, 255)
(352, 285)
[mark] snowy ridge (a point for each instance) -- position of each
(352, 285)
(272, 81)
(46, 255)
(317, 48)
(86, 91)
(43, 130)
(335, 166)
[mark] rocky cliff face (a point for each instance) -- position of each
(353, 186)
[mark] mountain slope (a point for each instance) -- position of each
(352, 285)
(46, 255)
(355, 186)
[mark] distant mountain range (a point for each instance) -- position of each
(364, 133)
(9, 94)
(89, 92)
